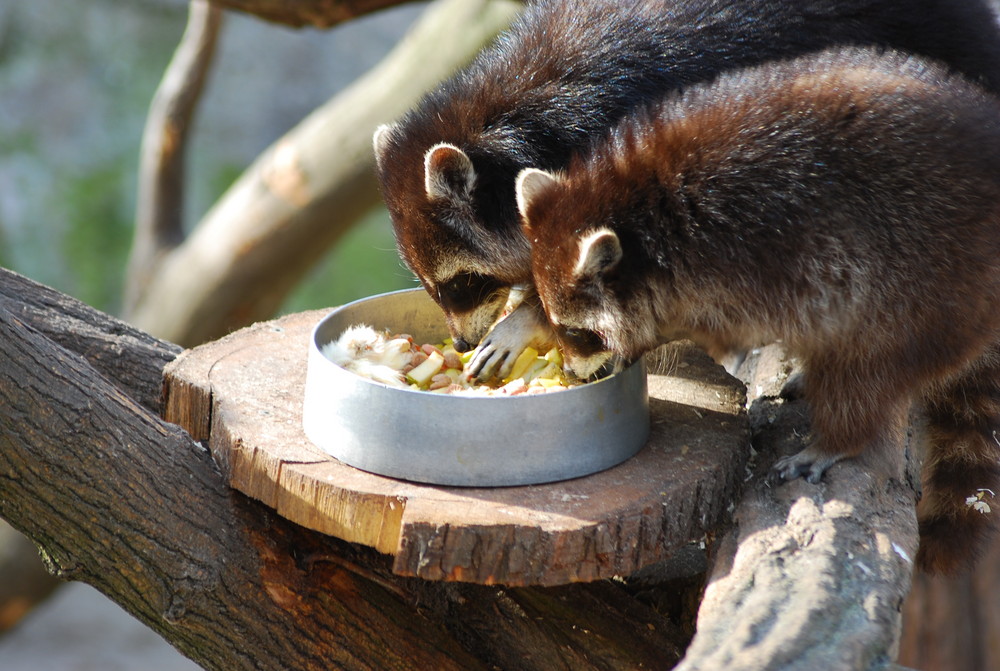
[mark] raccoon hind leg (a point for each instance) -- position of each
(856, 408)
(961, 469)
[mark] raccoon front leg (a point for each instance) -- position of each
(526, 326)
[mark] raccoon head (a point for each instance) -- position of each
(466, 266)
(572, 270)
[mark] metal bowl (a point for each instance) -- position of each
(467, 441)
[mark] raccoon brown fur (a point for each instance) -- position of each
(846, 204)
(564, 74)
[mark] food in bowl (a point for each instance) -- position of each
(462, 439)
(398, 360)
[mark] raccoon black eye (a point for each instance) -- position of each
(466, 291)
(583, 341)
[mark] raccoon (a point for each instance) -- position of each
(846, 204)
(566, 72)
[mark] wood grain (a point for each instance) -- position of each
(243, 395)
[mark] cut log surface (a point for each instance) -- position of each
(242, 395)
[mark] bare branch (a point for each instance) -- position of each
(305, 191)
(132, 505)
(132, 359)
(159, 225)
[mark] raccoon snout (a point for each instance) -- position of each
(592, 367)
(461, 345)
(615, 364)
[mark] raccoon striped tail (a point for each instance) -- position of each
(961, 471)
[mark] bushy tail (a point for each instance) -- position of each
(961, 471)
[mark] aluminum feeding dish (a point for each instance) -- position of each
(466, 441)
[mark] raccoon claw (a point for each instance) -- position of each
(802, 465)
(524, 327)
(488, 362)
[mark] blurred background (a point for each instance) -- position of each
(76, 81)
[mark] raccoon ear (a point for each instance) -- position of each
(448, 173)
(600, 252)
(380, 141)
(530, 182)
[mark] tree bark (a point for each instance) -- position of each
(316, 13)
(134, 360)
(130, 504)
(300, 195)
(808, 577)
(176, 557)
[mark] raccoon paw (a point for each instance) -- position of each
(806, 464)
(524, 327)
(489, 361)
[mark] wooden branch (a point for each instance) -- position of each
(100, 483)
(159, 225)
(316, 13)
(809, 577)
(304, 192)
(132, 505)
(130, 358)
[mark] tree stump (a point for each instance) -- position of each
(242, 395)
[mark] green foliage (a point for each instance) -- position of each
(73, 114)
(364, 262)
(98, 218)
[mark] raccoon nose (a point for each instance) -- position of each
(461, 345)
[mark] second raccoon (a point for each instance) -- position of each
(846, 204)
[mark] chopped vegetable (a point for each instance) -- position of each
(440, 368)
(422, 374)
(521, 363)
